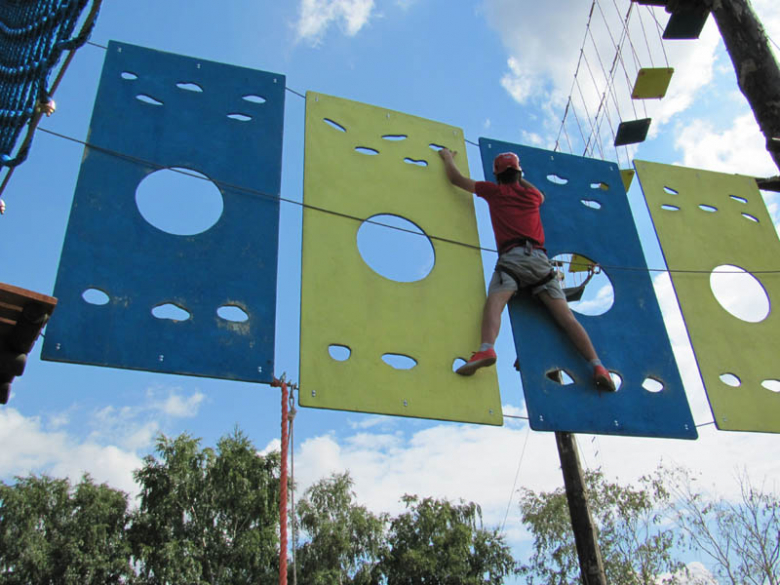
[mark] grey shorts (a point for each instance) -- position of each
(530, 268)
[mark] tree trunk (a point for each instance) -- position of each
(757, 71)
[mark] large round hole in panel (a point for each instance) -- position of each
(179, 201)
(395, 248)
(740, 293)
(598, 296)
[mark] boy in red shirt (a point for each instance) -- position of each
(522, 260)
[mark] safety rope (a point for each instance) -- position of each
(291, 418)
(283, 482)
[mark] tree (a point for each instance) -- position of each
(206, 516)
(342, 539)
(634, 544)
(742, 537)
(440, 543)
(51, 533)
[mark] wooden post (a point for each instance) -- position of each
(585, 535)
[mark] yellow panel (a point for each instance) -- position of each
(344, 302)
(696, 239)
(628, 177)
(652, 83)
(579, 263)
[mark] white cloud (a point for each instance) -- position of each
(29, 447)
(177, 406)
(110, 453)
(316, 16)
(273, 445)
(740, 148)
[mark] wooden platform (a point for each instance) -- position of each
(23, 313)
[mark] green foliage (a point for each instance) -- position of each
(441, 543)
(51, 533)
(206, 516)
(635, 544)
(343, 539)
(741, 537)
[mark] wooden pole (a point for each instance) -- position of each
(585, 534)
(758, 74)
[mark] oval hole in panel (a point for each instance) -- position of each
(671, 191)
(395, 137)
(738, 198)
(340, 353)
(739, 293)
(616, 379)
(599, 185)
(591, 203)
(750, 217)
(708, 208)
(239, 117)
(598, 295)
(177, 203)
(233, 313)
(667, 207)
(652, 385)
(457, 363)
(557, 179)
(399, 361)
(334, 125)
(436, 147)
(366, 150)
(412, 255)
(171, 311)
(419, 163)
(190, 86)
(129, 75)
(147, 99)
(95, 296)
(730, 380)
(771, 385)
(255, 99)
(560, 376)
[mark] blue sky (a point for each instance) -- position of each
(496, 68)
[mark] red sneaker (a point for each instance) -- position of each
(479, 359)
(602, 379)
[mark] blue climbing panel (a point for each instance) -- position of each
(630, 337)
(153, 111)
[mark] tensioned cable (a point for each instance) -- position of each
(279, 198)
(626, 24)
(658, 29)
(579, 60)
(618, 46)
(517, 474)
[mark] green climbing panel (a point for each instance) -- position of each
(362, 161)
(704, 221)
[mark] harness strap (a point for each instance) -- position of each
(503, 268)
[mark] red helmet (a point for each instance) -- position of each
(504, 161)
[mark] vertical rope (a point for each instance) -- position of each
(291, 416)
(283, 490)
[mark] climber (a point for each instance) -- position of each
(522, 262)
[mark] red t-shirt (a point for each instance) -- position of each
(514, 212)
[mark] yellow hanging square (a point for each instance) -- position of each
(652, 83)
